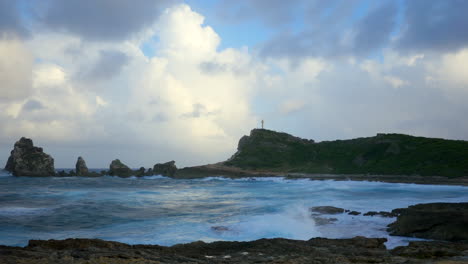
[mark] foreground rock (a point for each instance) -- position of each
(117, 168)
(165, 169)
(278, 250)
(442, 221)
(28, 160)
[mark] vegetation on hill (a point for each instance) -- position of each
(386, 154)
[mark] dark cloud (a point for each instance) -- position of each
(110, 63)
(102, 19)
(212, 67)
(198, 111)
(10, 19)
(434, 25)
(374, 30)
(331, 29)
(32, 105)
(271, 12)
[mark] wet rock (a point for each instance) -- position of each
(323, 221)
(165, 169)
(117, 168)
(278, 250)
(326, 210)
(381, 213)
(28, 160)
(354, 213)
(441, 221)
(81, 168)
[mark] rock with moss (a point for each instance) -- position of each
(117, 168)
(165, 169)
(81, 168)
(27, 160)
(384, 154)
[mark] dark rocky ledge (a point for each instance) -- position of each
(278, 250)
(443, 221)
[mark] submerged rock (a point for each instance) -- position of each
(28, 160)
(323, 221)
(442, 221)
(81, 168)
(117, 168)
(326, 210)
(381, 213)
(165, 169)
(354, 213)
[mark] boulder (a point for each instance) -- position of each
(117, 168)
(441, 221)
(28, 160)
(81, 168)
(165, 169)
(326, 210)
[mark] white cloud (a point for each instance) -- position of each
(192, 101)
(15, 69)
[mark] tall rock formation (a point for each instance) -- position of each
(81, 168)
(28, 160)
(165, 169)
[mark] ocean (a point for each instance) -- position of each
(165, 211)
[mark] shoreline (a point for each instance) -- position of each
(219, 170)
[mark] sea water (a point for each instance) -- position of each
(164, 211)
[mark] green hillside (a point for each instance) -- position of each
(387, 154)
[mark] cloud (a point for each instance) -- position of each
(272, 12)
(102, 20)
(32, 105)
(15, 70)
(109, 64)
(11, 24)
(331, 31)
(79, 94)
(438, 25)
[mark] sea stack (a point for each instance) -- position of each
(81, 168)
(117, 168)
(28, 160)
(165, 169)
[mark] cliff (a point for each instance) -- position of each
(384, 154)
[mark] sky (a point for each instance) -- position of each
(150, 81)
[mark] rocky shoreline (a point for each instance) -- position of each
(277, 250)
(442, 221)
(29, 160)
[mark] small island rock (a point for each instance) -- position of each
(28, 160)
(117, 168)
(81, 168)
(165, 169)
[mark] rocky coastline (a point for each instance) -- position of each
(249, 161)
(277, 250)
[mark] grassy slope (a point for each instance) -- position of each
(388, 154)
